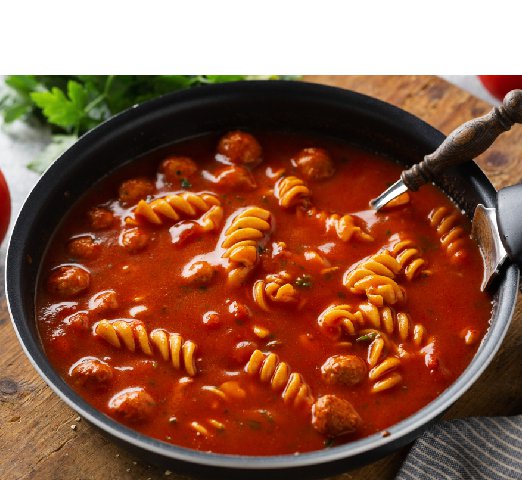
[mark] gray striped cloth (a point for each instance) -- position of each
(474, 448)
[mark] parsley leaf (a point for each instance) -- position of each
(60, 110)
(58, 145)
(304, 281)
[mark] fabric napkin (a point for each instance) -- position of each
(473, 448)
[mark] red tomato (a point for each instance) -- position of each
(499, 85)
(5, 207)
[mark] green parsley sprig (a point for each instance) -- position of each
(73, 104)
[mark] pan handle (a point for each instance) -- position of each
(467, 141)
(509, 221)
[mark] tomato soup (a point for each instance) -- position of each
(237, 295)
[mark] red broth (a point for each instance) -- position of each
(225, 322)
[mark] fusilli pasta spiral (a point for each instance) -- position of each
(408, 256)
(336, 317)
(292, 191)
(344, 226)
(275, 288)
(382, 372)
(174, 207)
(134, 336)
(452, 235)
(269, 369)
(241, 241)
(390, 322)
(375, 277)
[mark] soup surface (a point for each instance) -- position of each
(237, 295)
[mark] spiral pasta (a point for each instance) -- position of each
(133, 335)
(337, 317)
(174, 207)
(344, 226)
(452, 235)
(291, 191)
(241, 242)
(275, 288)
(269, 369)
(408, 256)
(212, 219)
(398, 323)
(382, 371)
(375, 277)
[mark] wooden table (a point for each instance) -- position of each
(42, 438)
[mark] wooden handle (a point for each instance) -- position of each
(467, 141)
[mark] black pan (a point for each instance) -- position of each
(286, 106)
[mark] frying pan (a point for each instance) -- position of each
(275, 106)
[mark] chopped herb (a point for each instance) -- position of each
(304, 281)
(178, 172)
(388, 233)
(202, 287)
(366, 338)
(239, 322)
(341, 294)
(261, 249)
(185, 183)
(329, 443)
(254, 424)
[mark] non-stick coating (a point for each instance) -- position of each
(283, 106)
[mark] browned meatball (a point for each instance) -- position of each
(334, 416)
(100, 218)
(103, 301)
(344, 369)
(176, 168)
(134, 239)
(132, 404)
(134, 190)
(240, 147)
(235, 177)
(68, 281)
(314, 164)
(91, 372)
(199, 274)
(83, 247)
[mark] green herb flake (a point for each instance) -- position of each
(366, 338)
(254, 424)
(341, 294)
(185, 183)
(303, 281)
(388, 233)
(329, 443)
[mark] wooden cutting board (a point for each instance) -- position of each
(42, 438)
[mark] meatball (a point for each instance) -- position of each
(103, 301)
(334, 416)
(134, 190)
(132, 404)
(91, 372)
(78, 320)
(175, 168)
(100, 218)
(344, 369)
(239, 311)
(235, 177)
(134, 239)
(68, 281)
(314, 164)
(83, 247)
(199, 274)
(240, 148)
